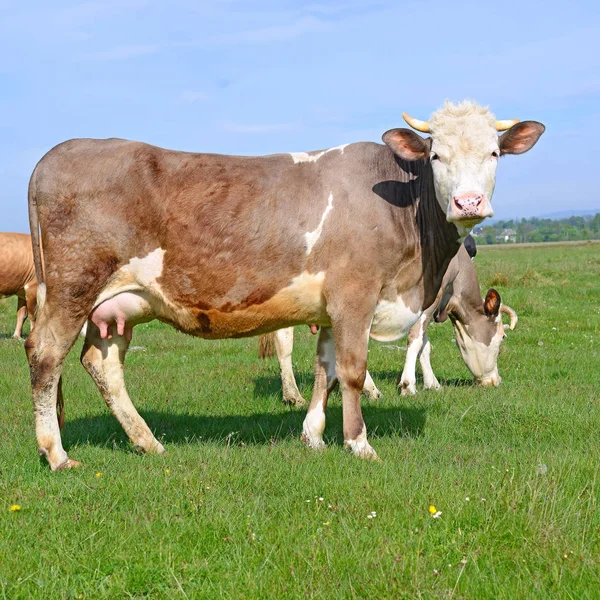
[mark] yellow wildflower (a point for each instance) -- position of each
(432, 509)
(15, 507)
(98, 474)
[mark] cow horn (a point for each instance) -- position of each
(507, 310)
(506, 124)
(422, 126)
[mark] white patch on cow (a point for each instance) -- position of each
(313, 236)
(392, 320)
(137, 275)
(148, 269)
(302, 157)
(307, 290)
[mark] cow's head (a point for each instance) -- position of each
(463, 150)
(480, 335)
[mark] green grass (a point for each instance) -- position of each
(233, 510)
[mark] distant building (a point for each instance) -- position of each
(507, 235)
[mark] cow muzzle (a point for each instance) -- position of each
(492, 380)
(469, 208)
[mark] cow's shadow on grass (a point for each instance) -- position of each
(260, 428)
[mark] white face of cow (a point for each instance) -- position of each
(481, 359)
(464, 157)
(463, 150)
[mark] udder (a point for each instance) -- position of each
(123, 310)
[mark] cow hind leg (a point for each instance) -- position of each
(325, 381)
(284, 344)
(46, 348)
(103, 359)
(21, 316)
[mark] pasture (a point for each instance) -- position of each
(238, 508)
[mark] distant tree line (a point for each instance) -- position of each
(539, 230)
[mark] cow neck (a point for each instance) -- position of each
(439, 240)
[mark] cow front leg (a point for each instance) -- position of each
(103, 360)
(21, 316)
(408, 380)
(351, 346)
(284, 344)
(325, 381)
(430, 381)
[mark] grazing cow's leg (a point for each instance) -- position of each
(408, 380)
(325, 381)
(284, 344)
(46, 347)
(103, 360)
(370, 389)
(21, 316)
(430, 381)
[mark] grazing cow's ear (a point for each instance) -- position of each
(491, 304)
(520, 137)
(406, 144)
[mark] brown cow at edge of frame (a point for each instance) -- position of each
(355, 239)
(17, 276)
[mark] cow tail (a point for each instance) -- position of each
(266, 345)
(34, 226)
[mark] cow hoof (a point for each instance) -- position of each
(361, 449)
(312, 442)
(407, 388)
(373, 394)
(434, 386)
(68, 464)
(294, 401)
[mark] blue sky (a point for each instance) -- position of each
(264, 76)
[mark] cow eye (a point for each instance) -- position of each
(495, 154)
(433, 156)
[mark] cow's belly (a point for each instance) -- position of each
(392, 320)
(121, 306)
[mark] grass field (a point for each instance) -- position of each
(238, 508)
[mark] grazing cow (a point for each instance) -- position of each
(478, 333)
(355, 239)
(17, 275)
(477, 326)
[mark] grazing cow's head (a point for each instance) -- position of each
(463, 150)
(479, 336)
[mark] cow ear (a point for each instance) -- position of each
(491, 304)
(520, 137)
(406, 144)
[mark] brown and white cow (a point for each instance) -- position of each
(477, 326)
(355, 239)
(17, 275)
